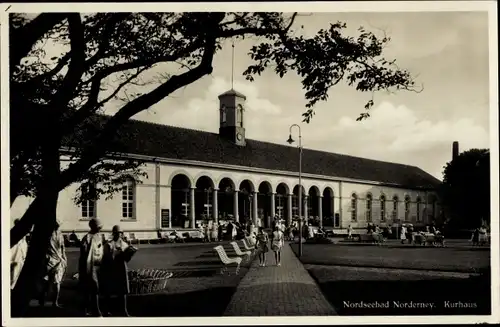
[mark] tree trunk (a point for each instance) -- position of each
(42, 212)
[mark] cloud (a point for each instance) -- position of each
(399, 129)
(392, 133)
(202, 113)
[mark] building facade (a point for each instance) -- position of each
(193, 176)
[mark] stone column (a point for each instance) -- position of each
(306, 218)
(320, 210)
(273, 204)
(235, 207)
(192, 207)
(289, 204)
(215, 205)
(255, 198)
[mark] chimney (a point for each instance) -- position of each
(455, 150)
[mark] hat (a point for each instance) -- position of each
(117, 229)
(96, 222)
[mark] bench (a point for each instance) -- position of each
(246, 254)
(248, 246)
(373, 238)
(226, 260)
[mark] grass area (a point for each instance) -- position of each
(460, 259)
(196, 289)
(352, 278)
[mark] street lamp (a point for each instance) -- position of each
(290, 141)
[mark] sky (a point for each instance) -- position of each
(446, 51)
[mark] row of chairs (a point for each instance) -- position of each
(243, 256)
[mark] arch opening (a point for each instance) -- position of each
(225, 198)
(328, 209)
(180, 201)
(204, 198)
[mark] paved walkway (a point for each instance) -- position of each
(278, 291)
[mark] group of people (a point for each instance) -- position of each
(480, 236)
(277, 241)
(102, 268)
(53, 271)
(214, 231)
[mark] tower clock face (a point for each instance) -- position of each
(239, 136)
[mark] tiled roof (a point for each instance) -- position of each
(171, 142)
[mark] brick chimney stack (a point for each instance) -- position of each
(455, 150)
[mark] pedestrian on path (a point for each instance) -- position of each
(114, 270)
(56, 265)
(91, 253)
(262, 246)
(17, 258)
(277, 244)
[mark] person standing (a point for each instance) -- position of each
(91, 253)
(403, 234)
(349, 232)
(214, 231)
(277, 244)
(114, 270)
(262, 246)
(220, 232)
(17, 258)
(56, 265)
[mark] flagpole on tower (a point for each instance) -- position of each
(232, 67)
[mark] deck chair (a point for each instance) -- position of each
(247, 245)
(226, 260)
(245, 254)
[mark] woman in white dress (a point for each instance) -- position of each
(277, 244)
(55, 267)
(403, 234)
(18, 256)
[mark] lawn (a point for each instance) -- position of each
(196, 289)
(354, 276)
(458, 259)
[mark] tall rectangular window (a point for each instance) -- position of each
(88, 207)
(354, 207)
(382, 208)
(418, 208)
(295, 206)
(395, 204)
(208, 203)
(128, 199)
(369, 207)
(407, 208)
(185, 205)
(280, 205)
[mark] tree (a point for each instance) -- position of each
(105, 60)
(466, 189)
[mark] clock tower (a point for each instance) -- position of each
(232, 118)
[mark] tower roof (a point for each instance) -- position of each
(232, 92)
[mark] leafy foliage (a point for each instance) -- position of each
(466, 188)
(107, 60)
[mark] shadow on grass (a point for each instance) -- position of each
(448, 296)
(210, 302)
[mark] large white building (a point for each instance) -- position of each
(195, 174)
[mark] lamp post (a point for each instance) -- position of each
(290, 141)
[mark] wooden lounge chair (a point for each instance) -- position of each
(246, 254)
(226, 260)
(247, 245)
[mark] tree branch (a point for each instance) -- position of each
(97, 149)
(28, 35)
(77, 63)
